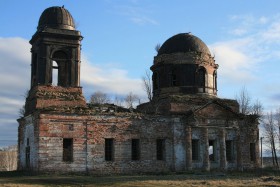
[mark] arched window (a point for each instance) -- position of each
(59, 69)
(173, 78)
(55, 73)
(155, 81)
(34, 69)
(202, 79)
(215, 80)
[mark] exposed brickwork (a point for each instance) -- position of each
(61, 133)
(182, 104)
(42, 97)
(90, 126)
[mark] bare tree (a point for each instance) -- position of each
(118, 100)
(99, 98)
(22, 109)
(257, 108)
(270, 135)
(157, 47)
(130, 100)
(244, 101)
(147, 84)
(277, 118)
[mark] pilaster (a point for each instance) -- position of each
(188, 148)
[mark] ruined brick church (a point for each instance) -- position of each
(185, 126)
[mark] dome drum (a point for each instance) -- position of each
(184, 79)
(184, 58)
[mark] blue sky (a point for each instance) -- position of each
(119, 41)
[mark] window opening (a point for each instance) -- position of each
(229, 150)
(160, 149)
(201, 78)
(34, 69)
(212, 150)
(253, 152)
(155, 81)
(135, 149)
(67, 149)
(60, 68)
(109, 151)
(215, 80)
(55, 73)
(27, 141)
(173, 78)
(195, 150)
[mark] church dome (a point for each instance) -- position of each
(56, 17)
(183, 42)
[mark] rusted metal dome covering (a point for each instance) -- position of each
(56, 17)
(183, 42)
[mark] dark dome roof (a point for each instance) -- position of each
(183, 42)
(56, 17)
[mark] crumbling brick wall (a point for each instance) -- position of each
(87, 128)
(249, 136)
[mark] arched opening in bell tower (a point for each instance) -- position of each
(59, 69)
(55, 73)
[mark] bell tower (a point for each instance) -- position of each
(55, 63)
(56, 47)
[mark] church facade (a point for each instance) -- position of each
(185, 126)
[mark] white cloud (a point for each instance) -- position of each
(251, 58)
(240, 57)
(142, 20)
(14, 48)
(263, 20)
(272, 34)
(246, 24)
(239, 31)
(14, 81)
(235, 65)
(15, 64)
(109, 80)
(136, 14)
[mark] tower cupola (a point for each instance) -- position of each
(56, 17)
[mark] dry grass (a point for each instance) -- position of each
(14, 179)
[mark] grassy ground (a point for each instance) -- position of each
(266, 178)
